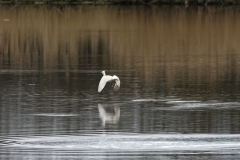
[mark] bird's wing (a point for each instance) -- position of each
(103, 82)
(117, 83)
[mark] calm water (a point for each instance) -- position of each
(179, 70)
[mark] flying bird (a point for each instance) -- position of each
(108, 78)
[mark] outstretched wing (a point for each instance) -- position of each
(103, 82)
(117, 83)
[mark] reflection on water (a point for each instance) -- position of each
(195, 48)
(107, 117)
(179, 71)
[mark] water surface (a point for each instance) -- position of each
(179, 72)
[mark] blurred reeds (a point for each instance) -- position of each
(191, 45)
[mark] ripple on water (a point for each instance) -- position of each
(206, 105)
(176, 104)
(146, 100)
(172, 143)
(54, 115)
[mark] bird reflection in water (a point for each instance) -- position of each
(107, 117)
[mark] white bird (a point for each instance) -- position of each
(107, 78)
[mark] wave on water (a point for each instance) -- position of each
(174, 143)
(146, 100)
(191, 104)
(54, 115)
(223, 105)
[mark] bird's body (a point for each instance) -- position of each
(107, 78)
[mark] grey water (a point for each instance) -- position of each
(179, 70)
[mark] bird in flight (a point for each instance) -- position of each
(107, 78)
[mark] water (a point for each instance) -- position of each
(179, 95)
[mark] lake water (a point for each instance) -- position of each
(180, 82)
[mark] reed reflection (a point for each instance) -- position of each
(109, 117)
(172, 45)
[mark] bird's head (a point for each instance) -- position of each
(103, 72)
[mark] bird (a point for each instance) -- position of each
(107, 78)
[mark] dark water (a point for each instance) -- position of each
(179, 71)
